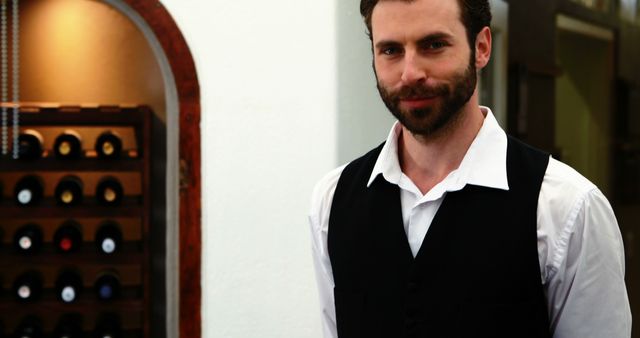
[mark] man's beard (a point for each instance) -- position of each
(436, 119)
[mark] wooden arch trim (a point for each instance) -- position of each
(184, 71)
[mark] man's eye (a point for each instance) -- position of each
(436, 45)
(390, 51)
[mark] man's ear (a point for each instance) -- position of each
(483, 47)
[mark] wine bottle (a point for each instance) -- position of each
(108, 326)
(108, 237)
(29, 145)
(68, 237)
(69, 191)
(109, 191)
(108, 145)
(107, 286)
(69, 326)
(68, 285)
(68, 145)
(28, 286)
(29, 327)
(29, 190)
(28, 238)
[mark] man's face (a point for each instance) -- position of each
(425, 69)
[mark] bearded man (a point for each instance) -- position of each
(451, 228)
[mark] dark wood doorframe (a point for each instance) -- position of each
(186, 81)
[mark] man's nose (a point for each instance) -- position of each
(412, 71)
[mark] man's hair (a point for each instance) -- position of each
(474, 14)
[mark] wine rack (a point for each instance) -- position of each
(73, 222)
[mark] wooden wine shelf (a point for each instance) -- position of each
(79, 165)
(17, 212)
(81, 116)
(82, 305)
(132, 262)
(125, 333)
(129, 254)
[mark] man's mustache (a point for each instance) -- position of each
(420, 91)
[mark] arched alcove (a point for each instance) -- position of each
(183, 202)
(183, 161)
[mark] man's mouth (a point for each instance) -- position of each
(417, 102)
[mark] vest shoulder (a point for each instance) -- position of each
(324, 188)
(363, 165)
(516, 145)
(526, 165)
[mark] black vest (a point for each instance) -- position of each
(476, 274)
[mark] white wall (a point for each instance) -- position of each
(363, 120)
(267, 76)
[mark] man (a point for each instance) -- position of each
(451, 228)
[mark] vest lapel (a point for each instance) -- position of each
(386, 211)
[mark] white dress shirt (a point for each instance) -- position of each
(579, 243)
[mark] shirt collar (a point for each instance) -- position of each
(484, 164)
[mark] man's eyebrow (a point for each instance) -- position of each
(425, 39)
(386, 43)
(434, 37)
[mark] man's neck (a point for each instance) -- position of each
(427, 161)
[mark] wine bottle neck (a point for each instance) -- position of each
(66, 244)
(24, 196)
(24, 292)
(108, 245)
(25, 242)
(66, 196)
(64, 148)
(68, 294)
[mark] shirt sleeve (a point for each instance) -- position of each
(584, 280)
(319, 222)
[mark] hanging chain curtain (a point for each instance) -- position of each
(15, 77)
